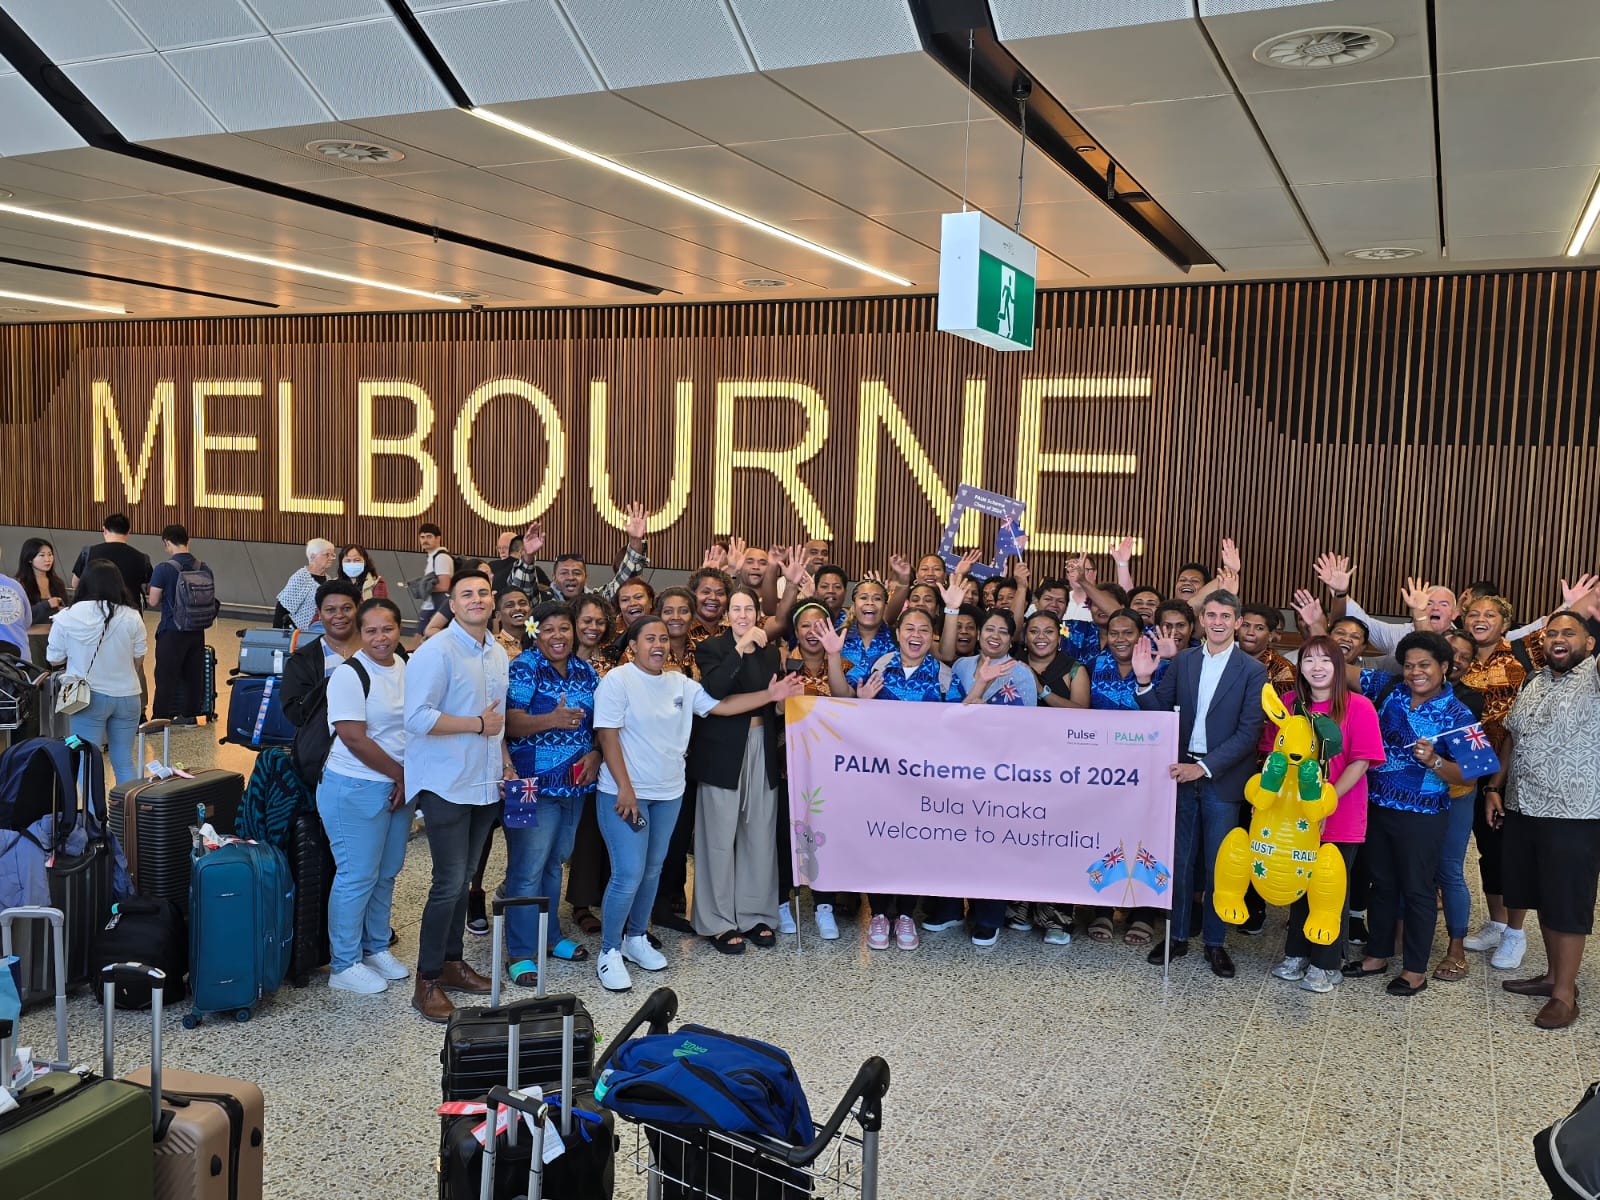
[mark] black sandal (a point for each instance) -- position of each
(729, 941)
(762, 936)
(1354, 970)
(1399, 987)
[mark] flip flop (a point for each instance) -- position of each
(524, 973)
(568, 950)
(729, 941)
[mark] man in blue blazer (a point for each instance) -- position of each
(1216, 690)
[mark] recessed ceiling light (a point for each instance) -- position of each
(5, 195)
(114, 309)
(1320, 49)
(162, 239)
(1383, 253)
(355, 152)
(455, 295)
(763, 283)
(688, 197)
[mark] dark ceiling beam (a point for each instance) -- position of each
(1001, 83)
(57, 89)
(144, 283)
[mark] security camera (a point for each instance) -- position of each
(477, 308)
(1021, 87)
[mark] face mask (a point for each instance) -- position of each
(354, 570)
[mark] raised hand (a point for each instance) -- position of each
(832, 640)
(1415, 596)
(874, 577)
(1573, 595)
(1334, 571)
(785, 687)
(900, 568)
(1121, 553)
(870, 686)
(953, 594)
(1144, 661)
(1166, 646)
(532, 539)
(794, 570)
(992, 670)
(636, 526)
(1230, 556)
(1023, 574)
(965, 565)
(1075, 573)
(1228, 580)
(715, 558)
(738, 551)
(1308, 609)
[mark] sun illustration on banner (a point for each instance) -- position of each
(805, 727)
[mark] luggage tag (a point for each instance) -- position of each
(553, 1146)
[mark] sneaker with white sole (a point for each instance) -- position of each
(878, 933)
(1487, 937)
(1316, 979)
(984, 936)
(612, 972)
(1019, 917)
(638, 950)
(1058, 937)
(786, 919)
(905, 933)
(827, 927)
(358, 978)
(386, 965)
(1508, 954)
(941, 926)
(1291, 968)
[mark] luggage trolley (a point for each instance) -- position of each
(679, 1164)
(19, 694)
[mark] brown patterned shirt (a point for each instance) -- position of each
(1499, 677)
(1280, 671)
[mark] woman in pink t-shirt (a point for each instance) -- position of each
(1320, 687)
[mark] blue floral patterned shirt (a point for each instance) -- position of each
(537, 687)
(1082, 638)
(882, 643)
(1110, 689)
(1400, 781)
(930, 681)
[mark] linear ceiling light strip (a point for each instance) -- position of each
(678, 193)
(56, 89)
(261, 260)
(114, 309)
(144, 283)
(1586, 223)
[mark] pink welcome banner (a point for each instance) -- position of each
(1064, 805)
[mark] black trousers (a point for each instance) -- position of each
(1489, 841)
(1360, 881)
(1297, 945)
(1403, 858)
(180, 673)
(672, 893)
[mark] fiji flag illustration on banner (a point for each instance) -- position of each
(1148, 870)
(1469, 747)
(1104, 871)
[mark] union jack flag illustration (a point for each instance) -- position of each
(1112, 858)
(1477, 738)
(521, 798)
(1008, 693)
(1147, 869)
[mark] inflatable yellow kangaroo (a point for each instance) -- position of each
(1282, 855)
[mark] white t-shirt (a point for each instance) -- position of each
(383, 709)
(654, 715)
(76, 635)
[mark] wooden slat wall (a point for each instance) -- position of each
(1445, 426)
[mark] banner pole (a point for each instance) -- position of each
(1166, 950)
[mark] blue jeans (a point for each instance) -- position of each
(636, 858)
(112, 720)
(369, 848)
(1450, 874)
(534, 858)
(1204, 819)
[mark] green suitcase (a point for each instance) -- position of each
(72, 1136)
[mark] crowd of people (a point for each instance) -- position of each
(650, 727)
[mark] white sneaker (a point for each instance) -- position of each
(827, 927)
(1508, 955)
(1291, 968)
(1058, 937)
(878, 933)
(1019, 917)
(905, 933)
(638, 950)
(387, 965)
(613, 974)
(1318, 980)
(358, 978)
(1486, 938)
(786, 919)
(941, 926)
(985, 937)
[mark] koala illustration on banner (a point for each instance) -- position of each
(806, 843)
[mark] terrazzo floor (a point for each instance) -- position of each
(1022, 1070)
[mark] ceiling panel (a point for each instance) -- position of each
(1238, 33)
(366, 70)
(79, 31)
(105, 174)
(1486, 34)
(30, 126)
(249, 85)
(986, 154)
(1363, 131)
(143, 97)
(604, 124)
(785, 34)
(1371, 212)
(680, 253)
(1254, 217)
(1123, 65)
(1185, 146)
(858, 173)
(491, 49)
(1071, 230)
(1302, 257)
(292, 152)
(721, 175)
(1547, 200)
(282, 15)
(602, 191)
(169, 25)
(453, 134)
(638, 44)
(1520, 117)
(735, 108)
(1509, 247)
(886, 93)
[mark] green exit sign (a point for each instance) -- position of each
(986, 282)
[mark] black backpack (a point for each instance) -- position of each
(1568, 1152)
(314, 740)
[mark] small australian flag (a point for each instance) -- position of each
(1469, 747)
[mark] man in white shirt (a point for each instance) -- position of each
(1216, 689)
(455, 761)
(440, 565)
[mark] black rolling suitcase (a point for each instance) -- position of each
(311, 867)
(476, 1039)
(152, 932)
(81, 884)
(586, 1169)
(151, 818)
